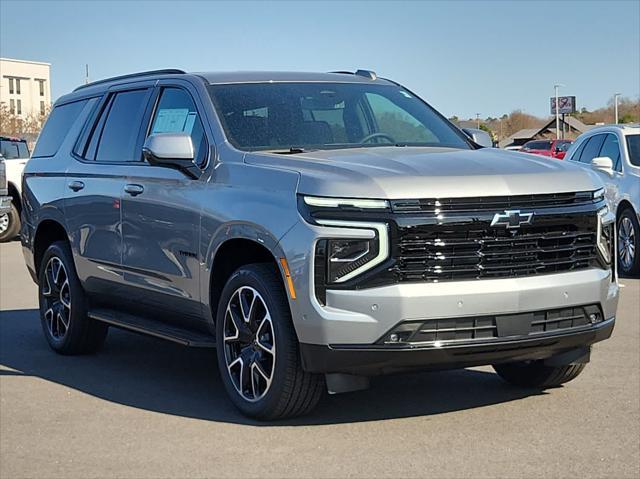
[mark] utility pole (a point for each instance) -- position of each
(478, 119)
(86, 73)
(555, 87)
(615, 103)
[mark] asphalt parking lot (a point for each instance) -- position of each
(147, 408)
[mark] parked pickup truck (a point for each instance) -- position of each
(5, 199)
(16, 154)
(317, 229)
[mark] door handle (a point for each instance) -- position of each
(76, 185)
(133, 190)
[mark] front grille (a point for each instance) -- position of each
(476, 250)
(470, 204)
(493, 326)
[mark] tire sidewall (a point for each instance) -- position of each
(635, 267)
(78, 303)
(14, 225)
(281, 319)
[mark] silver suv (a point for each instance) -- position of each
(317, 229)
(613, 151)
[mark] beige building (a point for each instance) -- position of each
(25, 86)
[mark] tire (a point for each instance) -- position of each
(275, 386)
(9, 224)
(535, 374)
(62, 298)
(628, 243)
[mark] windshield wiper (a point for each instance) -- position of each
(291, 151)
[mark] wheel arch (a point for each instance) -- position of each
(623, 205)
(47, 232)
(15, 196)
(233, 253)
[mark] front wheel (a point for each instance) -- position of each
(257, 347)
(535, 374)
(628, 243)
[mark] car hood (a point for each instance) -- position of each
(410, 172)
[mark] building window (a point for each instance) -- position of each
(17, 86)
(12, 106)
(19, 104)
(42, 108)
(10, 85)
(41, 86)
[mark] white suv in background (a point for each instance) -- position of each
(614, 152)
(16, 154)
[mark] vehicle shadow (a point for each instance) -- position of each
(155, 375)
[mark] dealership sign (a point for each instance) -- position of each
(567, 105)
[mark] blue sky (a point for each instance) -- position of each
(463, 57)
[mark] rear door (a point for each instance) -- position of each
(161, 213)
(95, 183)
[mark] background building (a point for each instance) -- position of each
(25, 87)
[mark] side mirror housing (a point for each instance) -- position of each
(479, 137)
(604, 164)
(171, 150)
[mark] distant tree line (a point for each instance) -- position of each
(507, 125)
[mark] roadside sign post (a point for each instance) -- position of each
(565, 105)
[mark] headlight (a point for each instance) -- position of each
(598, 194)
(606, 221)
(358, 203)
(345, 258)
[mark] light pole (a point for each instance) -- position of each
(555, 87)
(478, 120)
(615, 103)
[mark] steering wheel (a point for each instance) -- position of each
(373, 136)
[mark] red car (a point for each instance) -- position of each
(552, 148)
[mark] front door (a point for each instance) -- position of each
(161, 216)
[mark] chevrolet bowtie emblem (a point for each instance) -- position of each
(512, 219)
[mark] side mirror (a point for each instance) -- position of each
(171, 150)
(479, 137)
(603, 163)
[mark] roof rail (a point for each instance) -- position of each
(166, 71)
(371, 75)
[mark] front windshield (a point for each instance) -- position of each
(282, 116)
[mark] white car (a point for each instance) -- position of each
(16, 154)
(614, 152)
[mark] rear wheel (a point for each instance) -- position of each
(628, 243)
(535, 374)
(63, 305)
(9, 224)
(258, 353)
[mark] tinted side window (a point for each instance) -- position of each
(118, 137)
(611, 148)
(578, 147)
(14, 149)
(592, 149)
(633, 146)
(176, 112)
(55, 130)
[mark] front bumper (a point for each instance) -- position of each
(5, 204)
(384, 359)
